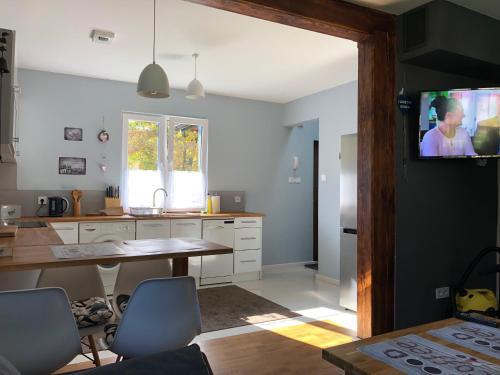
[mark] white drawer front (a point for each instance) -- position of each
(68, 232)
(148, 229)
(247, 261)
(248, 222)
(185, 228)
(247, 239)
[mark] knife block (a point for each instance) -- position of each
(112, 202)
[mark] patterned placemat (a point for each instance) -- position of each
(473, 336)
(413, 354)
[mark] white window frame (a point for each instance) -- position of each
(165, 149)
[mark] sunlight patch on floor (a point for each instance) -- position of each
(321, 334)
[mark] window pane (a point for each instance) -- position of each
(144, 173)
(143, 145)
(187, 148)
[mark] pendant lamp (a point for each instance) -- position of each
(195, 89)
(153, 82)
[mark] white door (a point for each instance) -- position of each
(218, 268)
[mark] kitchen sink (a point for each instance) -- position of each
(145, 211)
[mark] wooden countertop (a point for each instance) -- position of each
(352, 361)
(168, 216)
(31, 237)
(35, 257)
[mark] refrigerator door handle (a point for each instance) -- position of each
(350, 230)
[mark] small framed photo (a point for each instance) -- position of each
(73, 134)
(72, 166)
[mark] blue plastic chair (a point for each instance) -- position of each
(161, 315)
(38, 333)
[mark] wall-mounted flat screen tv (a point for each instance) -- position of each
(460, 123)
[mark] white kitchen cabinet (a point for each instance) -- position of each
(247, 261)
(247, 248)
(247, 239)
(248, 222)
(188, 228)
(217, 269)
(68, 232)
(151, 229)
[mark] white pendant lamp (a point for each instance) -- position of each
(153, 82)
(195, 89)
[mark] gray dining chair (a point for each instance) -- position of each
(132, 274)
(80, 283)
(162, 315)
(38, 334)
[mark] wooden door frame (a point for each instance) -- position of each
(374, 32)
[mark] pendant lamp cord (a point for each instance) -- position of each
(195, 65)
(154, 30)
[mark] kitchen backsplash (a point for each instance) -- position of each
(93, 200)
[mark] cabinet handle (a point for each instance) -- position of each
(152, 225)
(185, 224)
(67, 228)
(248, 261)
(248, 238)
(90, 229)
(248, 221)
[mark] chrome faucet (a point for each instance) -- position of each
(154, 196)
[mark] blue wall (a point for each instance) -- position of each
(336, 110)
(248, 148)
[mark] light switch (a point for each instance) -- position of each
(323, 178)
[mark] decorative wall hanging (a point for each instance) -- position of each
(103, 136)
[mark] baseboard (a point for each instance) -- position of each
(326, 279)
(269, 267)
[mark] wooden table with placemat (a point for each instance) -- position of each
(450, 346)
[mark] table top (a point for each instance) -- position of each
(36, 257)
(351, 360)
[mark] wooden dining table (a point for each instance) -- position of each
(32, 249)
(352, 361)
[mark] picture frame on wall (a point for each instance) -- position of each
(73, 134)
(72, 166)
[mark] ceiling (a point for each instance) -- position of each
(239, 56)
(489, 7)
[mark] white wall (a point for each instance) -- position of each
(336, 110)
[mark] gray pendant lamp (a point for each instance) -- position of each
(195, 89)
(153, 82)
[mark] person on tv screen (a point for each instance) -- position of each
(448, 138)
(487, 138)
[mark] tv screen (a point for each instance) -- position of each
(460, 123)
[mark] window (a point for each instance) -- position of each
(164, 152)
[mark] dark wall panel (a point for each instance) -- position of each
(446, 210)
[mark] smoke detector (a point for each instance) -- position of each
(102, 36)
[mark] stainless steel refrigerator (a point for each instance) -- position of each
(348, 221)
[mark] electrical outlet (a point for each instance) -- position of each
(237, 199)
(43, 200)
(443, 292)
(294, 180)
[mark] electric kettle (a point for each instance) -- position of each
(58, 206)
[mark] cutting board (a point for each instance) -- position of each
(8, 231)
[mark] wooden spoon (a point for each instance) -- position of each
(77, 196)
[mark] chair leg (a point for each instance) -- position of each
(205, 359)
(95, 353)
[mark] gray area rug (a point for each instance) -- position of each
(228, 307)
(231, 306)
